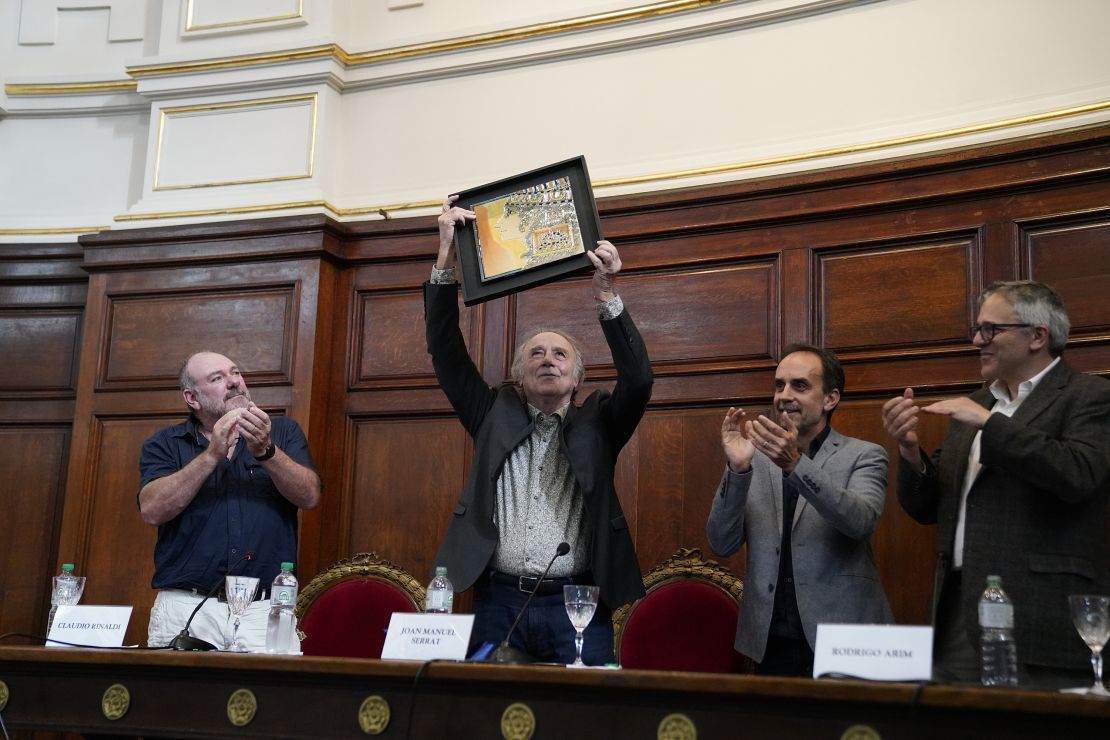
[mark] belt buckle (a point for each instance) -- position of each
(520, 583)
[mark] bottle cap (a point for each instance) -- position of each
(67, 567)
(994, 580)
(287, 566)
(441, 570)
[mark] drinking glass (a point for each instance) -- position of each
(581, 602)
(240, 591)
(1091, 616)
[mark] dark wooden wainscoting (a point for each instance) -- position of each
(879, 262)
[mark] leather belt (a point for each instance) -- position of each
(547, 586)
(220, 595)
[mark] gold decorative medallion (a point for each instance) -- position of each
(373, 715)
(241, 707)
(517, 722)
(116, 701)
(861, 732)
(4, 694)
(677, 727)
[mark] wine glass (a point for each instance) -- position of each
(1091, 616)
(581, 602)
(240, 591)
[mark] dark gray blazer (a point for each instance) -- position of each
(1036, 514)
(497, 419)
(843, 491)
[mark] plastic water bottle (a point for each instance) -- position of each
(281, 625)
(440, 598)
(63, 592)
(997, 649)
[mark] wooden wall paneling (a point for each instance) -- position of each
(407, 477)
(118, 548)
(142, 323)
(881, 261)
(42, 298)
(890, 299)
(1072, 253)
(33, 459)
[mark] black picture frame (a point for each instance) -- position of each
(538, 192)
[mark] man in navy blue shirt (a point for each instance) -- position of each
(223, 488)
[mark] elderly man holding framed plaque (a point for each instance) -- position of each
(543, 466)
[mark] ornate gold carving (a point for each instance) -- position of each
(686, 563)
(362, 565)
(517, 722)
(677, 727)
(115, 702)
(373, 715)
(241, 707)
(4, 694)
(258, 103)
(861, 732)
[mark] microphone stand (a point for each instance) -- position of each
(185, 641)
(506, 653)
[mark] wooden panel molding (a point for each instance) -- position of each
(389, 348)
(40, 352)
(888, 300)
(148, 335)
(1070, 253)
(428, 458)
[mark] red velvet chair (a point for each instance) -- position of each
(686, 621)
(345, 610)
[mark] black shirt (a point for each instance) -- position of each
(785, 619)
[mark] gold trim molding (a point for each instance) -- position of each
(869, 146)
(932, 136)
(522, 33)
(47, 232)
(71, 88)
(475, 41)
(189, 26)
(164, 113)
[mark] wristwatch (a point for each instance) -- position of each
(270, 452)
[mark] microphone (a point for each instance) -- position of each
(185, 641)
(506, 653)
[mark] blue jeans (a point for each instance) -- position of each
(545, 632)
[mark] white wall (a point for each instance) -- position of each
(736, 89)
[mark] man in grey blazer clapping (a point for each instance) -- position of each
(805, 499)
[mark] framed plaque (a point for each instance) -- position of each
(530, 229)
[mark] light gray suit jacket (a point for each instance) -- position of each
(842, 494)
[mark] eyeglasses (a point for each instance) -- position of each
(989, 330)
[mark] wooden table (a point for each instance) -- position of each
(206, 695)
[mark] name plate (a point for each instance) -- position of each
(97, 626)
(880, 652)
(427, 636)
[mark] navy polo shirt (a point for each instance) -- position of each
(237, 510)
